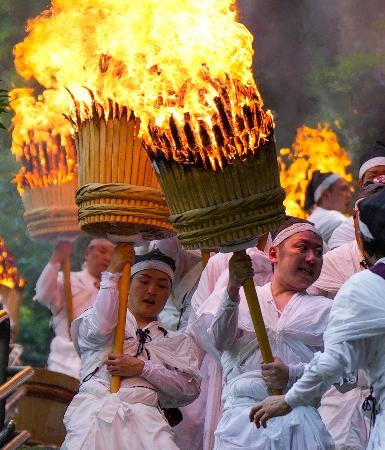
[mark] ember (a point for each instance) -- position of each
(237, 127)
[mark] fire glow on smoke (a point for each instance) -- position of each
(313, 149)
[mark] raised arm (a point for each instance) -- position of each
(99, 322)
(224, 327)
(48, 288)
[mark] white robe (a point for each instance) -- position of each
(342, 413)
(326, 221)
(214, 277)
(188, 268)
(342, 234)
(294, 336)
(338, 265)
(354, 339)
(50, 293)
(129, 419)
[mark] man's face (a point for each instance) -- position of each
(371, 174)
(149, 291)
(98, 256)
(297, 261)
(339, 196)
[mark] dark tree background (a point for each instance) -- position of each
(314, 61)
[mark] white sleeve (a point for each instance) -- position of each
(216, 266)
(171, 382)
(98, 326)
(324, 370)
(223, 330)
(48, 288)
(295, 373)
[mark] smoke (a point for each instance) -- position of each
(318, 61)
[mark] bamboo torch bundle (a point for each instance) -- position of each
(220, 178)
(119, 195)
(118, 189)
(11, 286)
(47, 183)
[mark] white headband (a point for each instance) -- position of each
(364, 229)
(152, 264)
(327, 182)
(293, 229)
(379, 161)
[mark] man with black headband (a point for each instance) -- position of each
(295, 322)
(157, 367)
(84, 286)
(328, 199)
(355, 334)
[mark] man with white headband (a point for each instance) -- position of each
(84, 286)
(329, 195)
(215, 277)
(372, 166)
(355, 334)
(295, 323)
(158, 367)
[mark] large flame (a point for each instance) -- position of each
(173, 63)
(9, 275)
(313, 149)
(41, 139)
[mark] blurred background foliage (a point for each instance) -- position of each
(314, 62)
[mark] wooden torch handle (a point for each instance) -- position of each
(66, 267)
(124, 288)
(258, 322)
(205, 255)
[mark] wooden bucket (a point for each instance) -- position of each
(51, 210)
(223, 207)
(118, 189)
(42, 409)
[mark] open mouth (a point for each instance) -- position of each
(308, 272)
(149, 302)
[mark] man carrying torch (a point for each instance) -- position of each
(84, 286)
(295, 323)
(158, 367)
(354, 336)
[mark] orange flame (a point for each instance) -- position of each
(313, 149)
(162, 59)
(41, 140)
(9, 275)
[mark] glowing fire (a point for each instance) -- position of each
(183, 67)
(313, 149)
(9, 275)
(41, 140)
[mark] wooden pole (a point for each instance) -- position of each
(124, 288)
(205, 254)
(67, 291)
(258, 322)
